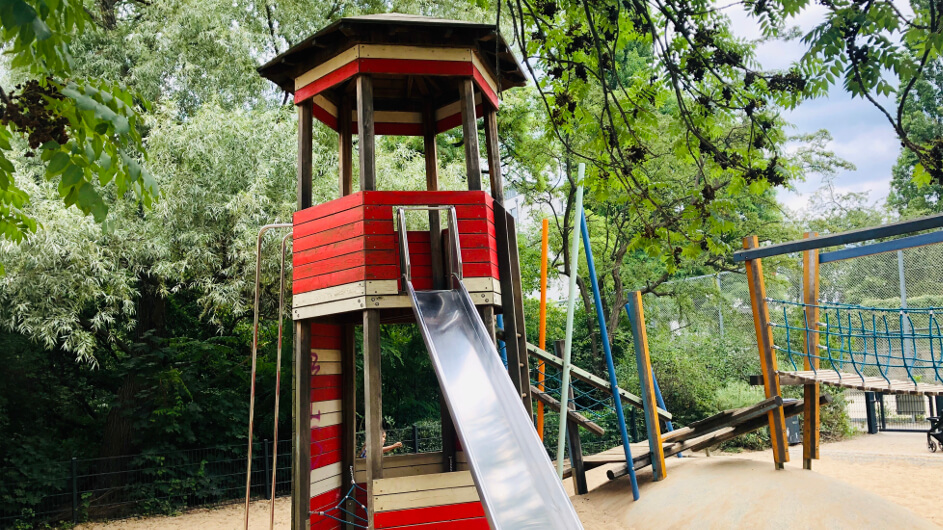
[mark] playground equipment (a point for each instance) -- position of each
(355, 263)
(865, 348)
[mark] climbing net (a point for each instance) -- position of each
(340, 513)
(893, 344)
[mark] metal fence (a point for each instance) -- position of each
(109, 488)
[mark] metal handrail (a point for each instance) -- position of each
(455, 251)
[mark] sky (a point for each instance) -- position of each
(861, 134)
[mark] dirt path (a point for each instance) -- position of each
(888, 480)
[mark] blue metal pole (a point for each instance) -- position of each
(603, 331)
(502, 349)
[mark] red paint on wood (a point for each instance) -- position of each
(327, 446)
(416, 67)
(326, 343)
(368, 258)
(453, 121)
(329, 208)
(321, 459)
(322, 115)
(380, 272)
(320, 434)
(331, 250)
(327, 81)
(324, 330)
(428, 198)
(397, 129)
(326, 381)
(352, 230)
(326, 499)
(485, 89)
(432, 514)
(325, 394)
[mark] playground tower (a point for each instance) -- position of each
(391, 75)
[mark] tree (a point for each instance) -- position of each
(86, 129)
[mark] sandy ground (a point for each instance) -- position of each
(888, 480)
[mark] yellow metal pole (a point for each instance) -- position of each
(541, 365)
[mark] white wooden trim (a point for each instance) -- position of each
(324, 407)
(404, 471)
(325, 104)
(453, 108)
(421, 53)
(326, 356)
(326, 419)
(389, 486)
(395, 116)
(328, 66)
(405, 460)
(328, 368)
(377, 302)
(325, 485)
(320, 473)
(485, 73)
(425, 499)
(346, 291)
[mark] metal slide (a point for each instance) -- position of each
(513, 474)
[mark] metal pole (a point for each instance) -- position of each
(75, 490)
(720, 313)
(255, 351)
(570, 310)
(267, 450)
(278, 378)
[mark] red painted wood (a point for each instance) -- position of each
(326, 502)
(325, 523)
(381, 272)
(327, 446)
(329, 208)
(326, 343)
(320, 459)
(324, 330)
(428, 198)
(396, 129)
(320, 434)
(464, 524)
(416, 67)
(325, 394)
(327, 81)
(453, 121)
(485, 88)
(340, 218)
(368, 258)
(327, 499)
(432, 514)
(326, 381)
(331, 250)
(348, 231)
(322, 115)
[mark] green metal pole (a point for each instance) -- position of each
(570, 309)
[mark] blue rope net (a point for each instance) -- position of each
(893, 344)
(588, 400)
(358, 518)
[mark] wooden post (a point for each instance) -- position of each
(365, 132)
(810, 294)
(644, 363)
(305, 110)
(349, 415)
(448, 436)
(764, 341)
(470, 134)
(432, 184)
(345, 146)
(301, 429)
(576, 447)
(494, 153)
(488, 317)
(373, 404)
(517, 297)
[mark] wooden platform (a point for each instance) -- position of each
(868, 384)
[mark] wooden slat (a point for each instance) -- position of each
(332, 64)
(432, 514)
(422, 499)
(423, 483)
(870, 384)
(301, 426)
(574, 416)
(647, 380)
(373, 404)
(470, 135)
(593, 380)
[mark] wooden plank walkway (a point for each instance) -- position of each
(868, 384)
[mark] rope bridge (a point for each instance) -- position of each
(894, 351)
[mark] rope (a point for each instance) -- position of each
(357, 521)
(908, 347)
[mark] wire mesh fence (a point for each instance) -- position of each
(78, 490)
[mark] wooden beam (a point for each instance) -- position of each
(301, 428)
(764, 340)
(348, 415)
(843, 238)
(509, 307)
(373, 403)
(494, 154)
(305, 115)
(345, 146)
(594, 380)
(432, 184)
(722, 419)
(365, 133)
(470, 134)
(572, 415)
(516, 295)
(576, 450)
(811, 427)
(646, 378)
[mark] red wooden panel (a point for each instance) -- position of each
(381, 272)
(326, 343)
(325, 433)
(453, 121)
(324, 330)
(485, 88)
(368, 258)
(331, 250)
(395, 129)
(329, 208)
(316, 87)
(325, 381)
(323, 116)
(325, 394)
(427, 198)
(328, 499)
(322, 224)
(464, 524)
(349, 231)
(320, 459)
(415, 67)
(325, 523)
(329, 445)
(449, 512)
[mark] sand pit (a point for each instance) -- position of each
(882, 481)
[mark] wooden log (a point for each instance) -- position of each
(305, 110)
(721, 420)
(366, 133)
(345, 146)
(517, 296)
(301, 426)
(470, 134)
(647, 379)
(764, 340)
(508, 305)
(811, 428)
(572, 415)
(576, 448)
(595, 381)
(432, 184)
(373, 403)
(494, 153)
(348, 361)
